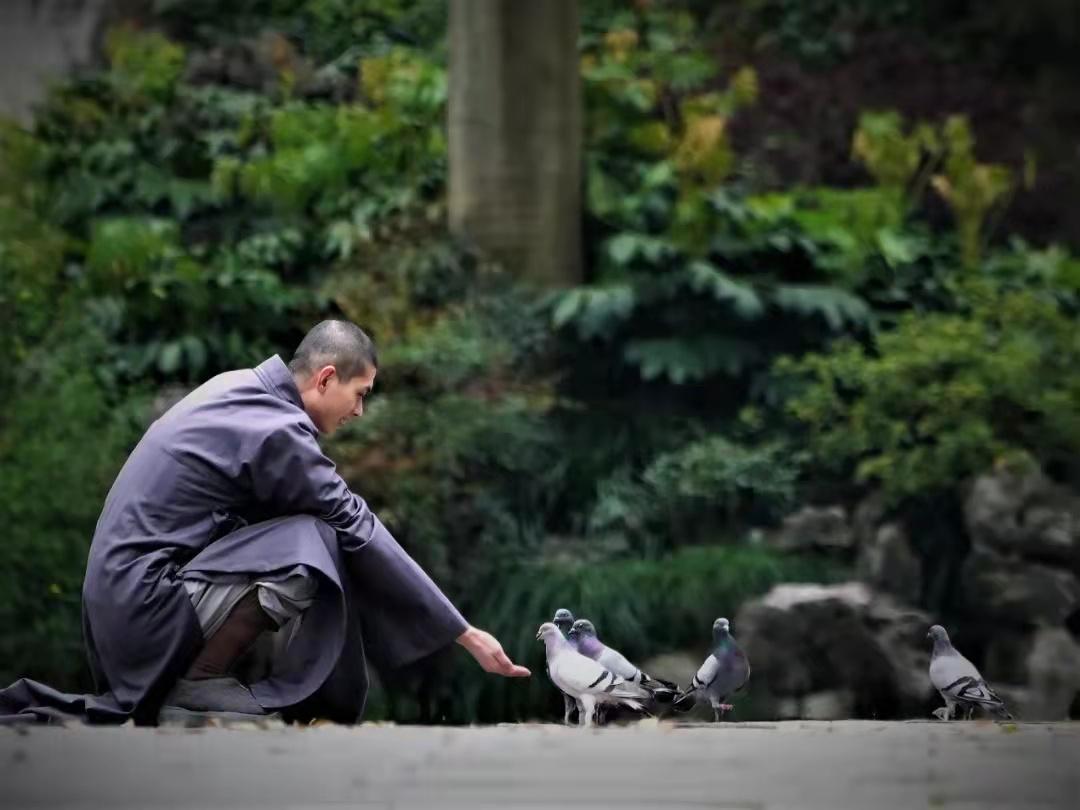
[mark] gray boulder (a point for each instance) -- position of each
(822, 527)
(1024, 514)
(1016, 592)
(886, 561)
(839, 648)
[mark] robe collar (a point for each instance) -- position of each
(275, 375)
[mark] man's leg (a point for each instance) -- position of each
(233, 638)
(233, 616)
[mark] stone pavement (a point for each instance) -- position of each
(864, 765)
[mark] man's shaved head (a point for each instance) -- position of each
(340, 344)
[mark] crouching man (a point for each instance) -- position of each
(228, 522)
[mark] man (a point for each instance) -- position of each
(228, 522)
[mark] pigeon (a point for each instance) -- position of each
(584, 639)
(564, 620)
(725, 671)
(586, 680)
(959, 683)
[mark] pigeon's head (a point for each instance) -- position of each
(547, 629)
(563, 619)
(937, 633)
(583, 627)
(720, 627)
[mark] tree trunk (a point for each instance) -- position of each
(515, 134)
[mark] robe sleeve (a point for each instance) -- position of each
(404, 613)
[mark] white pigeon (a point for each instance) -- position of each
(959, 683)
(584, 679)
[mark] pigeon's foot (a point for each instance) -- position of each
(726, 707)
(941, 713)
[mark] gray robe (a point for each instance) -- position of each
(231, 481)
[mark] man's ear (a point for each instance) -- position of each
(323, 377)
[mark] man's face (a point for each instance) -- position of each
(336, 401)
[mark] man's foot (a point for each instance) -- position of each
(194, 702)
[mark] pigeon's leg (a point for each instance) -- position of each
(950, 707)
(588, 709)
(568, 709)
(970, 713)
(715, 709)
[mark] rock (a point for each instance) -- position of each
(1007, 654)
(887, 562)
(1018, 592)
(847, 639)
(1053, 676)
(1025, 514)
(814, 527)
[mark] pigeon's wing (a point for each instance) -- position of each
(577, 675)
(706, 673)
(947, 669)
(617, 663)
(958, 679)
(973, 690)
(732, 671)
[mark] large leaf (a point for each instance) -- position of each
(595, 311)
(704, 277)
(838, 307)
(684, 360)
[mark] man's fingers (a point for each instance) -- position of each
(509, 668)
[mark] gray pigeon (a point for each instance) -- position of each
(959, 683)
(564, 620)
(583, 637)
(584, 679)
(725, 671)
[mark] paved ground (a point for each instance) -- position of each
(863, 765)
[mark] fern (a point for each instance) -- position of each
(686, 359)
(838, 307)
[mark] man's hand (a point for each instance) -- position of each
(488, 652)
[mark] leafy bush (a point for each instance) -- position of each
(65, 435)
(945, 396)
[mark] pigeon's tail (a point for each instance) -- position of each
(685, 701)
(974, 692)
(662, 691)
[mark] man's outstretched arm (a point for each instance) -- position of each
(488, 652)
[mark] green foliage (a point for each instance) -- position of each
(692, 493)
(32, 250)
(971, 189)
(943, 397)
(63, 439)
(145, 66)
